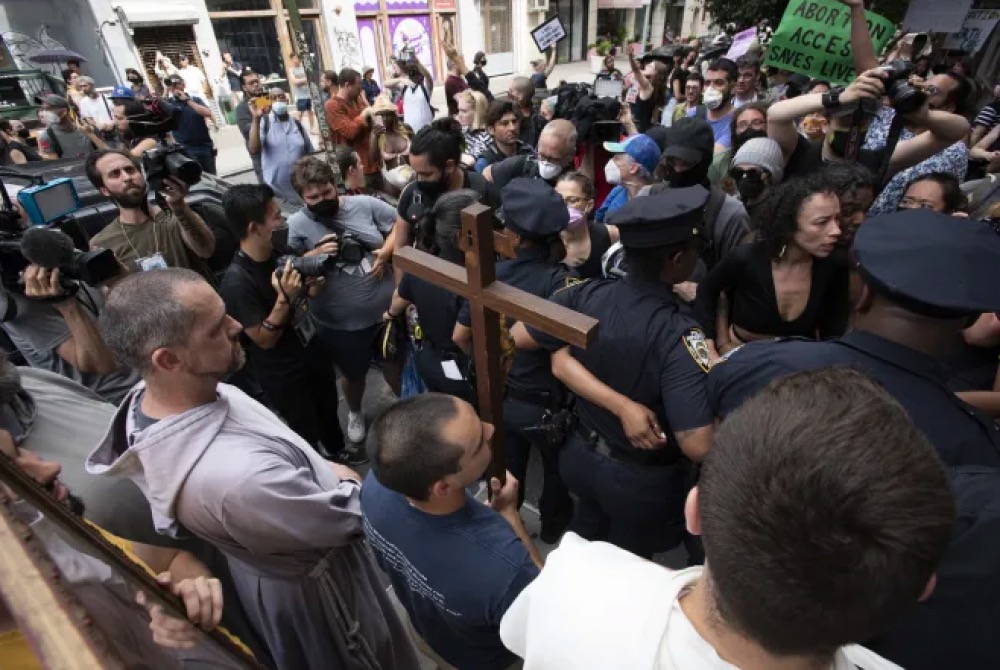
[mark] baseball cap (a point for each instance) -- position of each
(52, 100)
(172, 80)
(641, 148)
(690, 139)
(122, 93)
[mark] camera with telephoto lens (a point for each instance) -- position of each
(905, 97)
(153, 118)
(308, 266)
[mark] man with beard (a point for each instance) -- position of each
(720, 79)
(145, 237)
(43, 419)
(251, 87)
(687, 157)
(280, 140)
(221, 466)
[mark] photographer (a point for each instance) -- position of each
(940, 129)
(252, 89)
(54, 326)
(348, 309)
(270, 302)
(145, 237)
(192, 129)
(280, 140)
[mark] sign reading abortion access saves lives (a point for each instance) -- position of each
(814, 38)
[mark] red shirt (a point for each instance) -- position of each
(347, 128)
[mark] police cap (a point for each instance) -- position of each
(533, 209)
(932, 264)
(668, 217)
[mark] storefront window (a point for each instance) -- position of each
(309, 27)
(240, 5)
(253, 42)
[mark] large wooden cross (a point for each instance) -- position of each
(488, 300)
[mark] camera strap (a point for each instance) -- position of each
(891, 140)
(855, 136)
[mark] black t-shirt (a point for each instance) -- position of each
(437, 309)
(411, 211)
(808, 158)
(246, 289)
(6, 147)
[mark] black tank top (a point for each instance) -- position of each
(643, 114)
(600, 241)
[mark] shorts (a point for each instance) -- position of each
(352, 351)
(304, 104)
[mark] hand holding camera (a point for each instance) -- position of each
(869, 85)
(287, 281)
(174, 190)
(327, 245)
(43, 283)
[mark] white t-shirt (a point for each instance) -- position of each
(194, 80)
(596, 606)
(98, 109)
(416, 109)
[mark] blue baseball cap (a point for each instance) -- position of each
(122, 92)
(641, 148)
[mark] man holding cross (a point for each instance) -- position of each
(641, 388)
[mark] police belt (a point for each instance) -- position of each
(540, 398)
(668, 455)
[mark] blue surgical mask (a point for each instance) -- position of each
(280, 108)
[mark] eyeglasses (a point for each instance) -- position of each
(742, 173)
(756, 124)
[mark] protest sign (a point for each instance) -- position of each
(548, 33)
(979, 24)
(934, 16)
(741, 43)
(814, 39)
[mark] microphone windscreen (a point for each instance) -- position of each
(47, 247)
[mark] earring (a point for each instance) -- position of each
(782, 254)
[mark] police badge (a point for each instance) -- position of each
(697, 346)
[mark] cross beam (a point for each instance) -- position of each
(488, 300)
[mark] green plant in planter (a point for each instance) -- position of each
(603, 47)
(620, 34)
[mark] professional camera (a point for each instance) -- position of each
(905, 98)
(351, 251)
(308, 266)
(152, 118)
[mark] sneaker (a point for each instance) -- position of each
(356, 430)
(352, 454)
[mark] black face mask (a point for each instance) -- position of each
(746, 136)
(751, 186)
(432, 189)
(693, 177)
(279, 238)
(134, 80)
(326, 209)
(24, 133)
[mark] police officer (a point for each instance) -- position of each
(641, 396)
(443, 367)
(534, 215)
(921, 276)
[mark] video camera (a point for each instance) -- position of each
(48, 207)
(152, 118)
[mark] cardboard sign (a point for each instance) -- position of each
(814, 39)
(742, 42)
(934, 16)
(979, 24)
(548, 33)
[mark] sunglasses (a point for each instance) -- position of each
(742, 173)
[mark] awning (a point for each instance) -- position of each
(146, 14)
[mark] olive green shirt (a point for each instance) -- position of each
(162, 234)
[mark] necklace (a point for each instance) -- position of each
(156, 244)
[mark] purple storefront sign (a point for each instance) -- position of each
(404, 5)
(369, 6)
(413, 32)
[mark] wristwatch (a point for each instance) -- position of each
(831, 100)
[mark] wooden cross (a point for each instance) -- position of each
(488, 299)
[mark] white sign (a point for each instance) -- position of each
(548, 33)
(975, 31)
(741, 43)
(934, 16)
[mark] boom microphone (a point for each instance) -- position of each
(50, 248)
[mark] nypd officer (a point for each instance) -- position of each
(534, 215)
(921, 276)
(641, 388)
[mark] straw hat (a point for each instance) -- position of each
(384, 105)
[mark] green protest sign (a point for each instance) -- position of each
(814, 39)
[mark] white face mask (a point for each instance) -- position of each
(48, 118)
(547, 170)
(612, 174)
(713, 98)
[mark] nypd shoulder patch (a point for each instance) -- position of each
(697, 346)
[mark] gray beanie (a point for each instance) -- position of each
(764, 153)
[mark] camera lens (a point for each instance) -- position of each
(184, 168)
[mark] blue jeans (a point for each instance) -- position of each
(205, 157)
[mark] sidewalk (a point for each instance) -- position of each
(234, 159)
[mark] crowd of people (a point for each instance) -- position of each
(794, 386)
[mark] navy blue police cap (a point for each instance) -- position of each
(668, 217)
(933, 264)
(533, 209)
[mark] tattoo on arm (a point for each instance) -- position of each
(196, 233)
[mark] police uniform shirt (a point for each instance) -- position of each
(960, 433)
(647, 350)
(530, 272)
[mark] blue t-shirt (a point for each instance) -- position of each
(191, 129)
(455, 574)
(723, 135)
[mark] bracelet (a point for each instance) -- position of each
(267, 325)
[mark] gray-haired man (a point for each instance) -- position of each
(220, 465)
